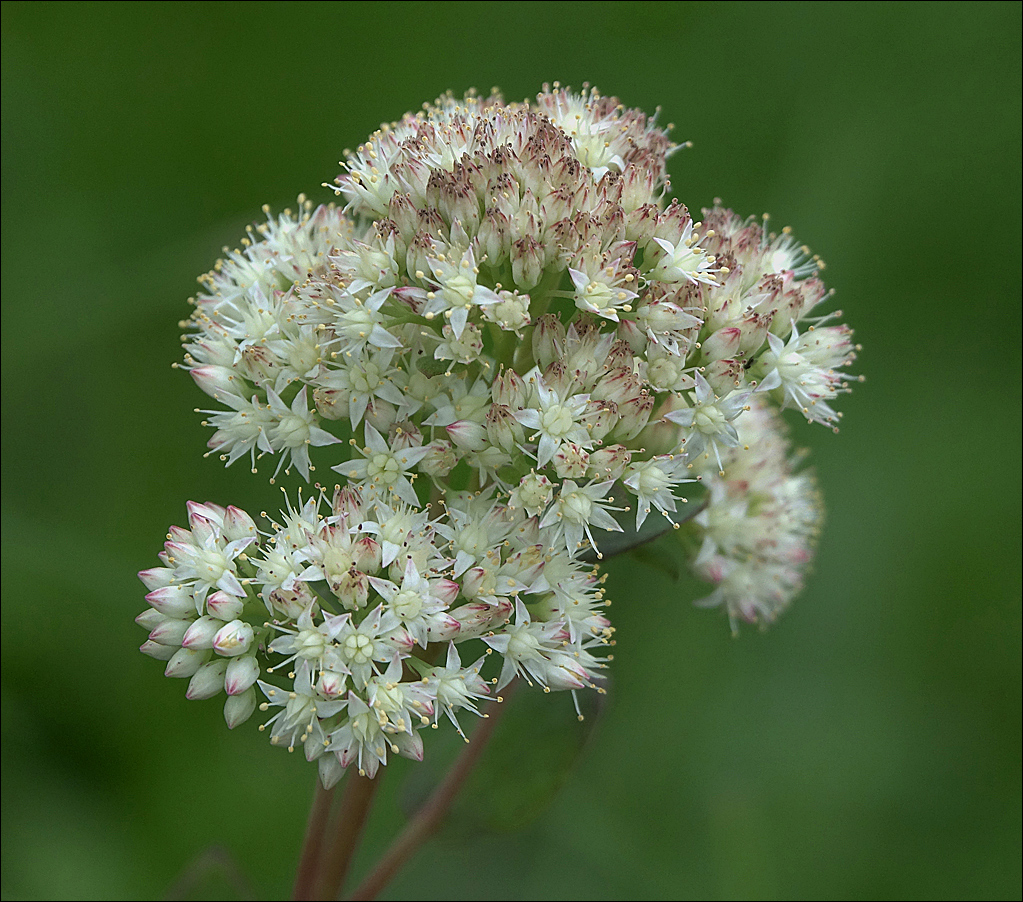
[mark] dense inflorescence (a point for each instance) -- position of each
(509, 342)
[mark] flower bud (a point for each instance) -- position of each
(366, 553)
(331, 684)
(444, 590)
(503, 429)
(477, 618)
(224, 607)
(292, 602)
(724, 375)
(548, 340)
(610, 461)
(722, 344)
(633, 415)
(571, 461)
(509, 389)
(172, 601)
(186, 661)
(242, 672)
(468, 435)
(156, 577)
(493, 235)
(157, 651)
(218, 381)
(207, 681)
(239, 708)
(443, 628)
(527, 262)
(601, 418)
(170, 632)
(238, 525)
(151, 618)
(440, 459)
(201, 632)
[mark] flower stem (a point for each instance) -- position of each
(346, 829)
(430, 816)
(312, 846)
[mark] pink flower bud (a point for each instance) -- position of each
(172, 601)
(201, 632)
(218, 381)
(242, 672)
(468, 435)
(156, 577)
(170, 632)
(548, 340)
(223, 606)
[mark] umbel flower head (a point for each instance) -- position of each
(508, 343)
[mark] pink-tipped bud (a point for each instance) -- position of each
(170, 632)
(439, 460)
(223, 606)
(571, 461)
(445, 590)
(331, 684)
(468, 435)
(503, 429)
(723, 344)
(156, 577)
(548, 340)
(509, 389)
(218, 381)
(172, 601)
(201, 632)
(157, 651)
(242, 672)
(610, 462)
(238, 525)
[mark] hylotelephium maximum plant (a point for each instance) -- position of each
(509, 343)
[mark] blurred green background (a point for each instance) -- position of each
(867, 746)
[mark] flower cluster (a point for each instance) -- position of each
(512, 343)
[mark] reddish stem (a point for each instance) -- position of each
(346, 829)
(312, 846)
(430, 816)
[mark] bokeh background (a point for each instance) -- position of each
(867, 746)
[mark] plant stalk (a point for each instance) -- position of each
(429, 817)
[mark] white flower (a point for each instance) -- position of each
(384, 469)
(455, 687)
(555, 421)
(295, 430)
(684, 260)
(414, 602)
(604, 293)
(709, 420)
(576, 509)
(458, 291)
(652, 481)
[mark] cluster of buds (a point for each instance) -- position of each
(513, 344)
